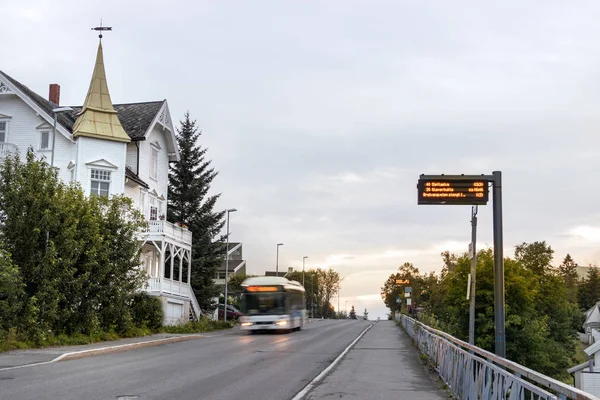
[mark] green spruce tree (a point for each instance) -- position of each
(568, 272)
(352, 313)
(190, 203)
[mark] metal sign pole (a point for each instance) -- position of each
(473, 274)
(473, 190)
(499, 316)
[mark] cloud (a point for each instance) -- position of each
(319, 134)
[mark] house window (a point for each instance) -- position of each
(154, 165)
(153, 209)
(45, 140)
(3, 131)
(143, 202)
(100, 184)
(160, 208)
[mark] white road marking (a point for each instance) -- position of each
(308, 387)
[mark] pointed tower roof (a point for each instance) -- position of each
(98, 118)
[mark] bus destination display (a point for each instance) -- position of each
(448, 191)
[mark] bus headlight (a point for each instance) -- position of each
(246, 323)
(281, 323)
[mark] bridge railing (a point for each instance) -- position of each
(472, 373)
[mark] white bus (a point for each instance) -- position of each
(272, 303)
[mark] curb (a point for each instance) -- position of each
(122, 347)
(74, 355)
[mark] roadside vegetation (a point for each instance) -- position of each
(544, 304)
(69, 263)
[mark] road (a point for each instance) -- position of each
(218, 367)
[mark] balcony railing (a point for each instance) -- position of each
(7, 149)
(168, 287)
(171, 230)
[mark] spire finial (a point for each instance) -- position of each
(102, 28)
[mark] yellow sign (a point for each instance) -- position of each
(402, 281)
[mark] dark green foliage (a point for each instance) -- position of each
(11, 294)
(203, 325)
(542, 317)
(589, 289)
(352, 313)
(190, 203)
(74, 267)
(147, 311)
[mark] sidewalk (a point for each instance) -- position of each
(21, 358)
(382, 365)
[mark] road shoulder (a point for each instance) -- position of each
(383, 364)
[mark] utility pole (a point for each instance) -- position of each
(471, 289)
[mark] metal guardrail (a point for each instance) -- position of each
(473, 373)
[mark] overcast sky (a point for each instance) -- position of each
(321, 115)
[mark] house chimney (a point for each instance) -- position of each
(54, 95)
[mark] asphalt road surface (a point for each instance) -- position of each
(225, 367)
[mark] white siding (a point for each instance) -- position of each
(22, 132)
(133, 192)
(91, 150)
(132, 156)
(161, 185)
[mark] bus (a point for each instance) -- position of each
(272, 303)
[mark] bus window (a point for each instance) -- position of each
(263, 303)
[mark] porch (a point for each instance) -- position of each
(168, 286)
(157, 229)
(167, 259)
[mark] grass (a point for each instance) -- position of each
(12, 341)
(204, 325)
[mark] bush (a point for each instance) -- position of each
(147, 311)
(203, 325)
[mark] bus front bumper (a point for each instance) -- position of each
(264, 325)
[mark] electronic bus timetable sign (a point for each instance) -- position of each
(453, 191)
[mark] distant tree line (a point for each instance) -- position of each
(544, 303)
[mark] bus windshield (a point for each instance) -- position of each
(263, 303)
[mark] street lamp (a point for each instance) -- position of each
(338, 293)
(277, 262)
(56, 111)
(227, 264)
(303, 259)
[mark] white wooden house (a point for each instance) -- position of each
(110, 149)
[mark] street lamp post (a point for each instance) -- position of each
(277, 262)
(55, 112)
(346, 308)
(340, 281)
(227, 265)
(303, 260)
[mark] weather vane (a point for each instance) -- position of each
(102, 28)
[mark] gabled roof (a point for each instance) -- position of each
(135, 118)
(592, 315)
(46, 105)
(593, 349)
